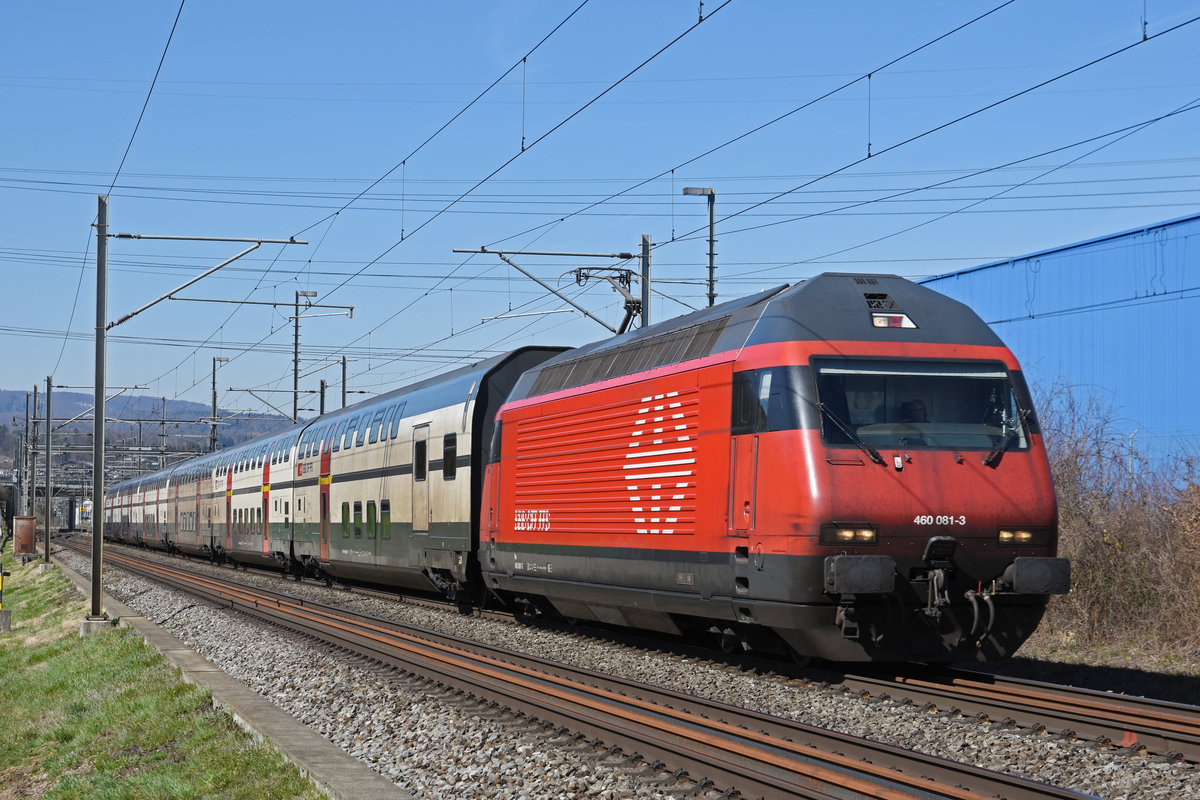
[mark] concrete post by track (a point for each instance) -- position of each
(5, 615)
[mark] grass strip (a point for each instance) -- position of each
(107, 717)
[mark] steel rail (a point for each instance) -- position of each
(759, 755)
(1137, 723)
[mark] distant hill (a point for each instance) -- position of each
(182, 425)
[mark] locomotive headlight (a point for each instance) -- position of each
(847, 534)
(892, 321)
(1023, 536)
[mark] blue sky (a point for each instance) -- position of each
(337, 125)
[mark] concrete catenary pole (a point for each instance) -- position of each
(97, 612)
(711, 194)
(26, 465)
(212, 431)
(19, 500)
(296, 355)
(33, 444)
(646, 280)
(712, 253)
(49, 455)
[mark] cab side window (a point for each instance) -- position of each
(765, 400)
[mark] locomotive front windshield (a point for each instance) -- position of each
(940, 405)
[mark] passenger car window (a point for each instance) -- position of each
(449, 456)
(419, 460)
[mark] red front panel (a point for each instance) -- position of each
(802, 483)
(932, 493)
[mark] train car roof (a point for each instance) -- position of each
(437, 392)
(425, 395)
(829, 307)
(695, 335)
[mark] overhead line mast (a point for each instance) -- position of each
(97, 616)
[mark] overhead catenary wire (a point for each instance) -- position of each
(460, 112)
(330, 218)
(943, 126)
(89, 188)
(775, 120)
(92, 84)
(1114, 136)
(137, 125)
(541, 138)
(516, 206)
(509, 161)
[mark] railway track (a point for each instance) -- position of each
(735, 749)
(1143, 725)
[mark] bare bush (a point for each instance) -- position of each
(1131, 531)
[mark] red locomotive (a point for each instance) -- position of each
(851, 466)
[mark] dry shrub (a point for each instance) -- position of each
(1131, 531)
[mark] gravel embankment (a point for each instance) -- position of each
(434, 747)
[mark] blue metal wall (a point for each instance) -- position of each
(1117, 317)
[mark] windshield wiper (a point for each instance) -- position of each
(1006, 440)
(854, 437)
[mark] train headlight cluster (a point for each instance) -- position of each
(1023, 536)
(848, 534)
(892, 321)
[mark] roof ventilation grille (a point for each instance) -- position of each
(880, 301)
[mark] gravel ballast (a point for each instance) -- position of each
(433, 746)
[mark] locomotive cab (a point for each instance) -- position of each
(912, 495)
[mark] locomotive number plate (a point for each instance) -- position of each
(940, 519)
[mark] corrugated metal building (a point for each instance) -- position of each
(1117, 317)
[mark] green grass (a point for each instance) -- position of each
(106, 717)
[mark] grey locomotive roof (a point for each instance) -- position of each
(829, 307)
(837, 307)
